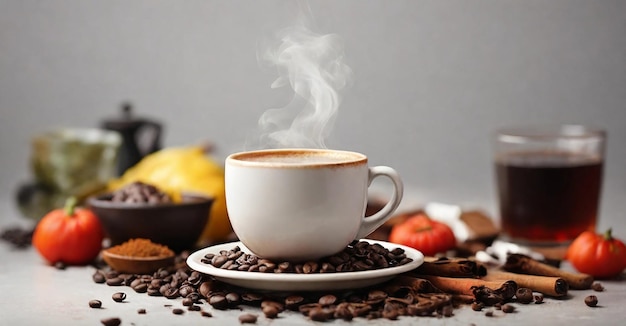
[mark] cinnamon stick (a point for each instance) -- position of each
(451, 267)
(548, 285)
(466, 286)
(518, 263)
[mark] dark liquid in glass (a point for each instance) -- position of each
(548, 197)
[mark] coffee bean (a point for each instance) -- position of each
(478, 306)
(507, 308)
(524, 295)
(141, 311)
(171, 293)
(218, 302)
(538, 298)
(591, 300)
(206, 314)
(344, 312)
(270, 311)
(327, 300)
(251, 298)
(140, 288)
(194, 307)
(98, 277)
(111, 321)
(309, 267)
(321, 314)
(232, 298)
(489, 313)
(178, 311)
(248, 319)
(293, 302)
(597, 286)
(118, 296)
(95, 303)
(115, 281)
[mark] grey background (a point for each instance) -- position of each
(432, 79)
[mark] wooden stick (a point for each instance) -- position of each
(548, 285)
(518, 263)
(451, 267)
(465, 286)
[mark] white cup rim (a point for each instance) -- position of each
(351, 158)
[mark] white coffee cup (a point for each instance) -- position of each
(303, 204)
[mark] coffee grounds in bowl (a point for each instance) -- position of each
(358, 256)
(141, 248)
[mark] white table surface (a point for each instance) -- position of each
(34, 293)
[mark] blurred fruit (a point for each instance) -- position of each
(71, 235)
(599, 255)
(185, 169)
(424, 234)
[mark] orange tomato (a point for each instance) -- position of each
(599, 255)
(424, 234)
(72, 235)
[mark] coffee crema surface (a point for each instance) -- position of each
(301, 157)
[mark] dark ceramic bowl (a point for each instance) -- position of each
(176, 225)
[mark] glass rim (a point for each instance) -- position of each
(549, 132)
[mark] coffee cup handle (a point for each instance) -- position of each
(370, 223)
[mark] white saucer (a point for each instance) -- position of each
(302, 282)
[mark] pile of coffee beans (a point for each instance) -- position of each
(19, 237)
(358, 256)
(196, 289)
(139, 192)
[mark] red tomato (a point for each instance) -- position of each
(72, 235)
(426, 235)
(599, 255)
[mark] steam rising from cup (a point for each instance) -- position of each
(312, 65)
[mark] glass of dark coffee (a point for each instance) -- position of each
(549, 181)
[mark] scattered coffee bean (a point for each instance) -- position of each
(141, 311)
(98, 277)
(180, 281)
(538, 298)
(111, 321)
(115, 281)
(187, 302)
(95, 303)
(524, 295)
(489, 313)
(293, 302)
(60, 265)
(218, 301)
(591, 300)
(206, 314)
(248, 319)
(478, 306)
(118, 296)
(327, 300)
(507, 308)
(597, 286)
